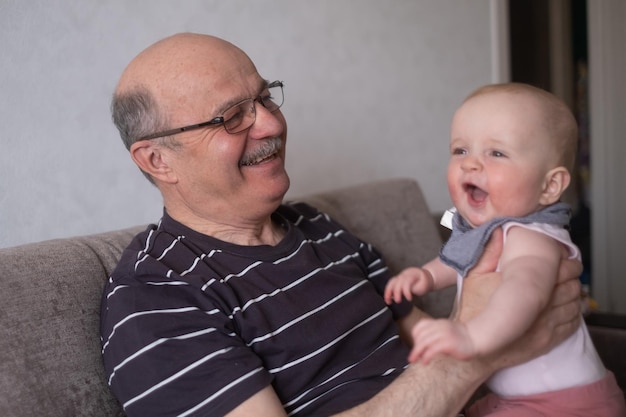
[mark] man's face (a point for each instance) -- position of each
(223, 177)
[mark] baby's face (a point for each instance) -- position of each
(499, 157)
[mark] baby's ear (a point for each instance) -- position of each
(555, 182)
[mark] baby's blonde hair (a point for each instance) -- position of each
(557, 118)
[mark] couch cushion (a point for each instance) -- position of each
(49, 340)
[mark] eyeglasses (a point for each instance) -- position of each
(238, 117)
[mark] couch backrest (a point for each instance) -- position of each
(49, 317)
(50, 297)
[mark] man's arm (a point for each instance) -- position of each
(439, 389)
(436, 390)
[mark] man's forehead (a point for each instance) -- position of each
(237, 91)
(178, 57)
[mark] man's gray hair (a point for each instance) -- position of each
(136, 115)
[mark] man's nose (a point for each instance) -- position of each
(266, 124)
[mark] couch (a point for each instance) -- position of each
(50, 296)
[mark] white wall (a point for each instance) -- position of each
(371, 86)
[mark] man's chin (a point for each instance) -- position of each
(274, 189)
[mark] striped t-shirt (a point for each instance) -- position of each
(193, 326)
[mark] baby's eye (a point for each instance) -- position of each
(497, 154)
(459, 151)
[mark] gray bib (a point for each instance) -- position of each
(466, 244)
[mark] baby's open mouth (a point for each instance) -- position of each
(476, 194)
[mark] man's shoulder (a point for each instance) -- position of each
(142, 254)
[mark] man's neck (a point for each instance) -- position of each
(229, 228)
(269, 233)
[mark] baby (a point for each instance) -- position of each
(511, 151)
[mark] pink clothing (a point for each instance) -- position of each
(599, 399)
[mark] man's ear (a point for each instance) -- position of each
(555, 183)
(152, 160)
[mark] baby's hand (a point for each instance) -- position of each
(410, 281)
(434, 336)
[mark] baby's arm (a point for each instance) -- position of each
(433, 275)
(529, 266)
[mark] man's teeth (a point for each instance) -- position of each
(256, 161)
(266, 152)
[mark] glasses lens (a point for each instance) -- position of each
(239, 117)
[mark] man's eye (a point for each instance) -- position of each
(233, 116)
(266, 97)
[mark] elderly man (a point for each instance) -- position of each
(236, 304)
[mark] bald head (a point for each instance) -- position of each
(172, 60)
(176, 82)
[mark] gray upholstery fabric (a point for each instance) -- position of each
(50, 361)
(49, 315)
